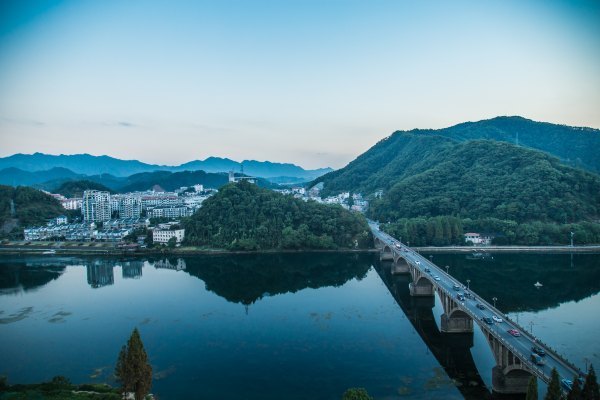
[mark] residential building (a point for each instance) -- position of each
(478, 239)
(163, 235)
(96, 206)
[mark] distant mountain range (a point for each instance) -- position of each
(86, 164)
(66, 182)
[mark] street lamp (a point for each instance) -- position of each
(468, 284)
(447, 268)
(494, 299)
(531, 327)
(572, 234)
(431, 258)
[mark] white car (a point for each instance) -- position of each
(496, 319)
(437, 278)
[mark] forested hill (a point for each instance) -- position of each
(576, 146)
(488, 179)
(244, 216)
(405, 153)
(23, 206)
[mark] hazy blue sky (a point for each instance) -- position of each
(310, 82)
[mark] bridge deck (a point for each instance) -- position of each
(519, 346)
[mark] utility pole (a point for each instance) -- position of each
(494, 299)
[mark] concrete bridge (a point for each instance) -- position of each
(464, 308)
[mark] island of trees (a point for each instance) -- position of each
(243, 216)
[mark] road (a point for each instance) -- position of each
(520, 346)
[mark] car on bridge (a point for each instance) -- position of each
(460, 297)
(567, 384)
(427, 270)
(455, 287)
(514, 332)
(537, 359)
(480, 306)
(538, 350)
(488, 320)
(437, 278)
(496, 319)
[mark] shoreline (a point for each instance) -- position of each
(510, 249)
(104, 249)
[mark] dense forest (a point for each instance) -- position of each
(487, 179)
(435, 188)
(449, 230)
(23, 206)
(244, 216)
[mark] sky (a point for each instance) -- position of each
(314, 83)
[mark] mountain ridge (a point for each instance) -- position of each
(87, 164)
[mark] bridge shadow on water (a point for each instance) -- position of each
(451, 350)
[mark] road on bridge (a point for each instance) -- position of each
(520, 346)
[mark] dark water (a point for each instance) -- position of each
(294, 326)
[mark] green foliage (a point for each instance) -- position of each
(434, 231)
(590, 387)
(132, 369)
(31, 206)
(532, 389)
(554, 392)
(243, 216)
(485, 179)
(59, 388)
(76, 188)
(575, 392)
(356, 394)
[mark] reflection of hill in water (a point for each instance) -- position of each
(247, 278)
(511, 278)
(22, 276)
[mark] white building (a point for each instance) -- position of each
(477, 238)
(96, 206)
(71, 204)
(61, 219)
(129, 206)
(163, 236)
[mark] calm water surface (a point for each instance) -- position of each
(292, 326)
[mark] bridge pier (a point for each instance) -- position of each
(400, 266)
(513, 382)
(421, 290)
(456, 323)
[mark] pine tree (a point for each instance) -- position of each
(554, 392)
(590, 388)
(532, 389)
(575, 392)
(132, 369)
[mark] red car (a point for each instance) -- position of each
(514, 332)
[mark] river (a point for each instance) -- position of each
(272, 326)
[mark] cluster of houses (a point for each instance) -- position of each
(354, 202)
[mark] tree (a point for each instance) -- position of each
(172, 242)
(532, 389)
(590, 388)
(575, 392)
(554, 392)
(356, 394)
(133, 370)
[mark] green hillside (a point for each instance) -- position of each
(575, 146)
(488, 179)
(23, 206)
(246, 217)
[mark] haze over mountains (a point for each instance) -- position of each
(86, 164)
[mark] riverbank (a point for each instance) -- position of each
(510, 249)
(112, 249)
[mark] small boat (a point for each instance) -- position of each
(538, 284)
(49, 252)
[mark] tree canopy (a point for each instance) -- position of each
(243, 216)
(133, 369)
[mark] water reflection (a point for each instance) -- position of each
(100, 273)
(511, 278)
(452, 351)
(17, 275)
(247, 278)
